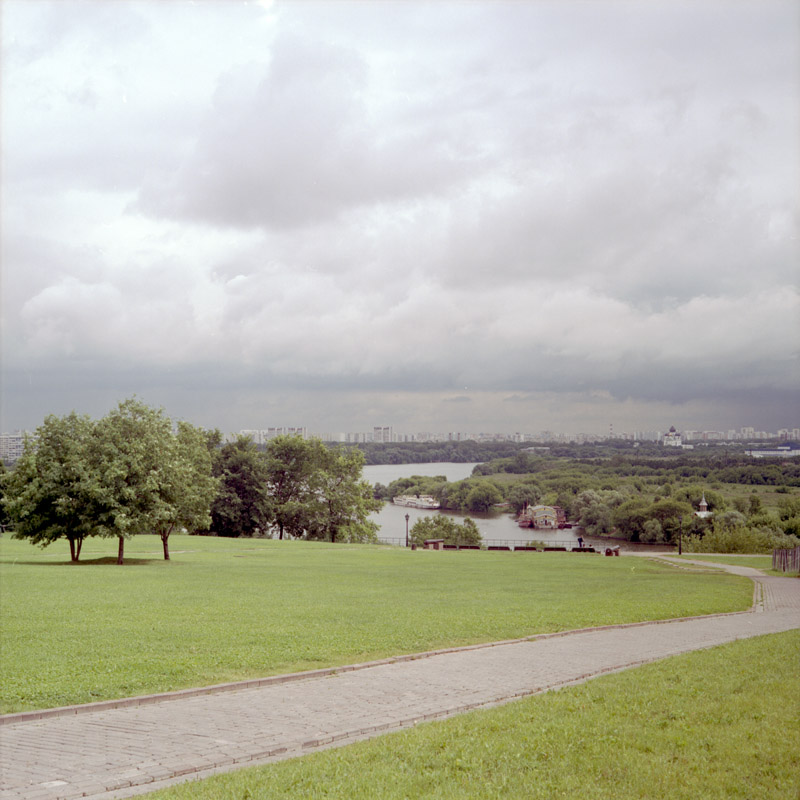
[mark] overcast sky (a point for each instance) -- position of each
(476, 216)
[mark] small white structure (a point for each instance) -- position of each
(703, 513)
(672, 438)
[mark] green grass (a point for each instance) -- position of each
(226, 609)
(719, 723)
(757, 562)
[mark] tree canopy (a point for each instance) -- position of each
(124, 474)
(242, 506)
(55, 489)
(446, 528)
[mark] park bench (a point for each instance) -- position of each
(434, 544)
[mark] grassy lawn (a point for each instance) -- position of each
(233, 609)
(757, 562)
(719, 723)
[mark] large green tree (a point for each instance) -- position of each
(187, 487)
(243, 505)
(523, 494)
(673, 516)
(291, 464)
(482, 496)
(138, 460)
(340, 500)
(55, 490)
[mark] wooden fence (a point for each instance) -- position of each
(786, 560)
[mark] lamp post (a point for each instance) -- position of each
(680, 534)
(406, 530)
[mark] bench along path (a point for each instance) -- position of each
(122, 751)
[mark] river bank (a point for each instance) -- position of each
(496, 527)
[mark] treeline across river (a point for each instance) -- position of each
(654, 499)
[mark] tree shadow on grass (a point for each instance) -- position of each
(88, 562)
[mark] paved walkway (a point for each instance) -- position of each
(123, 751)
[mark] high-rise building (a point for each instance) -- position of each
(382, 434)
(12, 446)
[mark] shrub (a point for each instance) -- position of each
(739, 539)
(444, 527)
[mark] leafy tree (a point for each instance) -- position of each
(731, 518)
(443, 527)
(585, 500)
(725, 537)
(671, 514)
(139, 463)
(593, 512)
(694, 493)
(482, 496)
(755, 506)
(652, 531)
(791, 526)
(523, 494)
(596, 519)
(340, 501)
(54, 490)
(453, 496)
(187, 488)
(242, 505)
(741, 505)
(789, 507)
(630, 518)
(291, 463)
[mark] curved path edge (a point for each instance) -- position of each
(129, 749)
(289, 677)
(270, 680)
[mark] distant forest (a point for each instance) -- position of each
(738, 467)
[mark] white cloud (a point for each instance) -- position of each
(535, 200)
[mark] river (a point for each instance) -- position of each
(497, 527)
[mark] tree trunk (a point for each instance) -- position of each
(73, 556)
(78, 548)
(121, 550)
(165, 542)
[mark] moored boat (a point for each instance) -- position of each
(416, 501)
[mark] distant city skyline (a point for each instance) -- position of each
(535, 215)
(12, 443)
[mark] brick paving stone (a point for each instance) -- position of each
(119, 752)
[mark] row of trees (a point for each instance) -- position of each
(135, 472)
(127, 473)
(608, 498)
(655, 463)
(296, 488)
